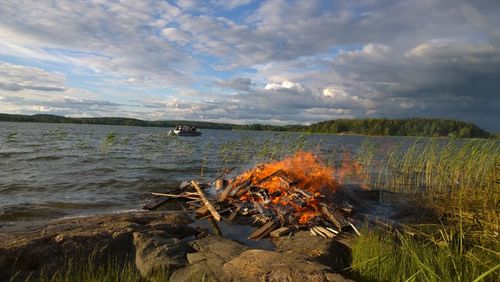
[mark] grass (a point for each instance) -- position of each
(459, 179)
(86, 270)
(378, 256)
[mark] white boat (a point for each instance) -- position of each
(183, 130)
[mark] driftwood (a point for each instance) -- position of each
(207, 203)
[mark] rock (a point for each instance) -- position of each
(104, 236)
(158, 252)
(331, 252)
(261, 265)
(206, 263)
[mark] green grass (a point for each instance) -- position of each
(378, 256)
(460, 180)
(86, 270)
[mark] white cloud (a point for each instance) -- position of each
(17, 78)
(274, 60)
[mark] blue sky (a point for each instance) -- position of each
(246, 61)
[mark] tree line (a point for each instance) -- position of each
(374, 126)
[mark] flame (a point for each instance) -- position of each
(296, 183)
(352, 172)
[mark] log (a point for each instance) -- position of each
(262, 231)
(237, 188)
(207, 203)
(280, 231)
(326, 212)
(234, 213)
(224, 193)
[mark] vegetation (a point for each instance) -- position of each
(381, 257)
(398, 127)
(459, 181)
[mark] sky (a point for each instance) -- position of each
(249, 61)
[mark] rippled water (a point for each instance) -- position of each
(56, 170)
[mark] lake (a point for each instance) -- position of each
(50, 171)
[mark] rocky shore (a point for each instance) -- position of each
(166, 240)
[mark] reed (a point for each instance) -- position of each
(379, 257)
(458, 178)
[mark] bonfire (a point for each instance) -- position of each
(292, 194)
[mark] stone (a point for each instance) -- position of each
(156, 251)
(262, 265)
(332, 252)
(27, 252)
(206, 263)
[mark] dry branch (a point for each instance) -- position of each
(207, 203)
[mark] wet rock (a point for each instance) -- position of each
(332, 252)
(158, 252)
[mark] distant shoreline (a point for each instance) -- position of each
(417, 127)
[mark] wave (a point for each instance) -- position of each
(44, 158)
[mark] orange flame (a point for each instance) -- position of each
(302, 175)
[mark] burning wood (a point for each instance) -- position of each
(292, 194)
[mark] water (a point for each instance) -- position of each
(51, 171)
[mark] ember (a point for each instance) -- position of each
(296, 193)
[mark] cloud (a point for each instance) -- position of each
(17, 78)
(244, 60)
(237, 83)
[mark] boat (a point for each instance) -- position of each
(184, 130)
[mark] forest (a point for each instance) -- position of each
(368, 126)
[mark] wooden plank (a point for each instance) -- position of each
(313, 232)
(207, 203)
(280, 231)
(325, 231)
(262, 231)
